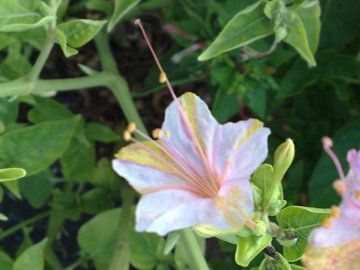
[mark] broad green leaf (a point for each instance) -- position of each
(297, 38)
(13, 187)
(310, 17)
(17, 17)
(5, 261)
(37, 188)
(100, 133)
(256, 100)
(100, 5)
(32, 258)
(37, 147)
(303, 220)
(340, 23)
(96, 200)
(122, 8)
(80, 31)
(97, 242)
(249, 247)
(105, 176)
(78, 161)
(47, 109)
(15, 64)
(270, 263)
(11, 174)
(146, 248)
(8, 111)
(321, 191)
(247, 26)
(225, 105)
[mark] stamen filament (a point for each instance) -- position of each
(327, 144)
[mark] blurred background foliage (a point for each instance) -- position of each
(66, 141)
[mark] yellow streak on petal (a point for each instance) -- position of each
(135, 153)
(233, 213)
(188, 102)
(357, 195)
(250, 131)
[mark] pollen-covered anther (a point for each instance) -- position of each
(339, 187)
(127, 135)
(162, 77)
(335, 211)
(157, 133)
(327, 223)
(357, 195)
(131, 127)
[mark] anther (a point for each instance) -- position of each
(335, 211)
(162, 77)
(131, 127)
(357, 195)
(339, 187)
(127, 135)
(327, 223)
(157, 133)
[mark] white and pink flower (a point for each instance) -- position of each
(336, 245)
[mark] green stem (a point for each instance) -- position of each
(194, 251)
(120, 87)
(25, 223)
(120, 259)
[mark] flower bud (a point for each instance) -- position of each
(284, 156)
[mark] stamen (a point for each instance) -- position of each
(157, 133)
(131, 127)
(339, 187)
(327, 223)
(190, 131)
(127, 135)
(357, 195)
(335, 211)
(327, 144)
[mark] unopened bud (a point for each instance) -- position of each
(284, 156)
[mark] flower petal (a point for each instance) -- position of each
(145, 171)
(170, 210)
(202, 124)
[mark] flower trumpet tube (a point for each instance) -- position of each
(336, 245)
(195, 171)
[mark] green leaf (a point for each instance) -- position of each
(97, 242)
(5, 261)
(100, 133)
(11, 174)
(80, 31)
(100, 5)
(13, 187)
(14, 16)
(37, 147)
(144, 249)
(249, 247)
(78, 161)
(297, 267)
(37, 188)
(32, 258)
(61, 39)
(171, 241)
(302, 220)
(47, 109)
(297, 38)
(321, 191)
(310, 17)
(122, 8)
(96, 200)
(245, 27)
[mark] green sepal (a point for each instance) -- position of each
(248, 248)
